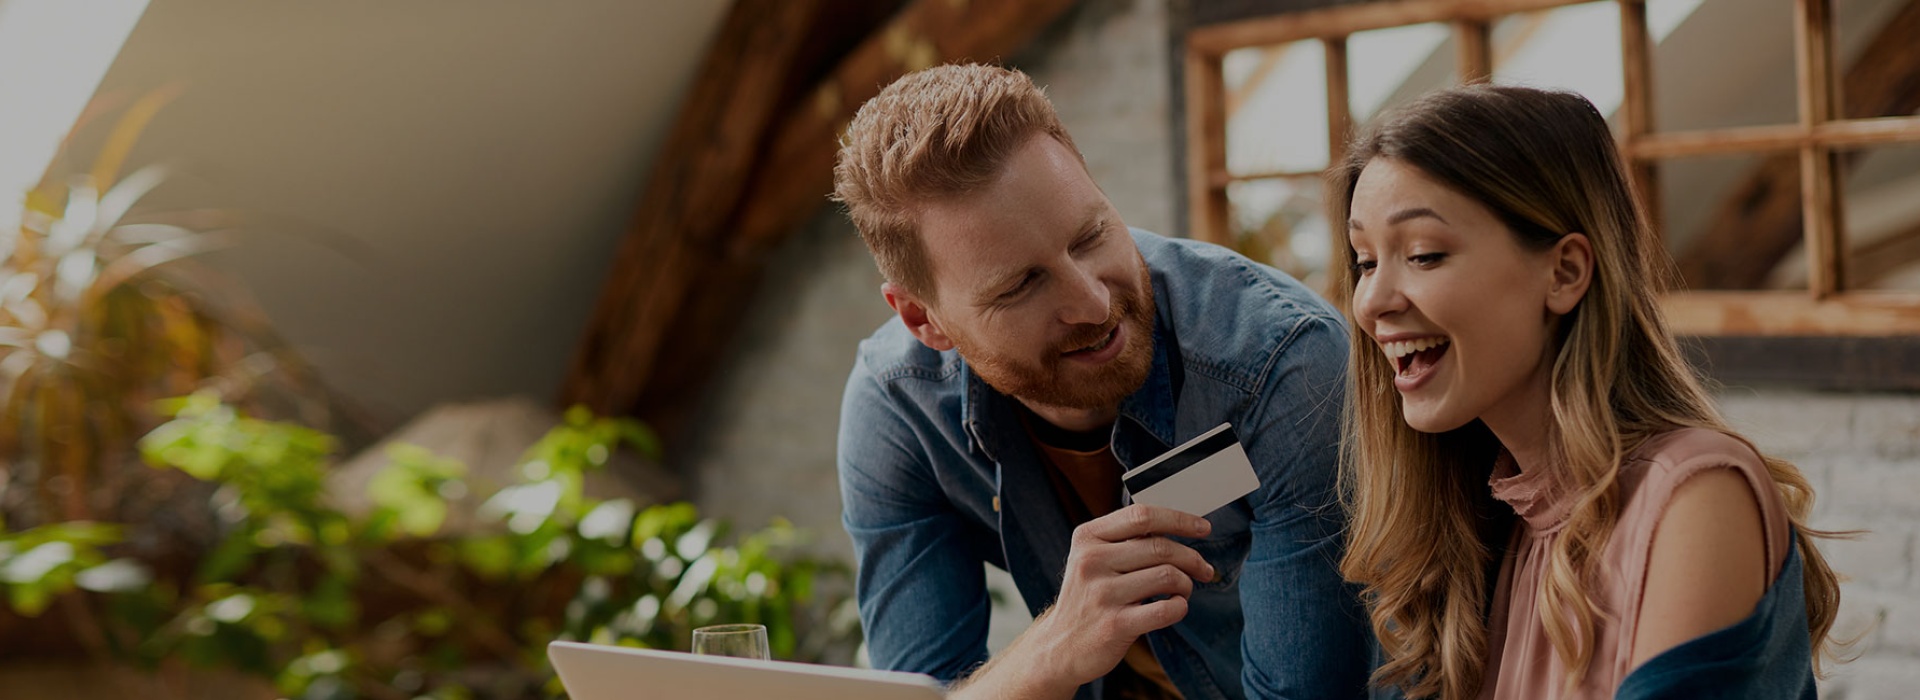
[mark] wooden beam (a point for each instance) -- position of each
(1339, 101)
(798, 174)
(1792, 314)
(1636, 52)
(694, 185)
(1473, 40)
(1206, 149)
(1819, 170)
(1346, 20)
(794, 177)
(1220, 178)
(1761, 219)
(1855, 132)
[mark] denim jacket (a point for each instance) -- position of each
(1769, 654)
(938, 476)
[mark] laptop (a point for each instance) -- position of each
(600, 672)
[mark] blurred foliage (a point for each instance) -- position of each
(93, 331)
(385, 604)
(102, 315)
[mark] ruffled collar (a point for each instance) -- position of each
(1535, 496)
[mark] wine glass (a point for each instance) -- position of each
(743, 641)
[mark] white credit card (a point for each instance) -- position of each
(1197, 477)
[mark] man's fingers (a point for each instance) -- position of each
(1140, 520)
(1147, 617)
(1165, 579)
(1148, 552)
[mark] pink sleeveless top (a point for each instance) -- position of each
(1522, 663)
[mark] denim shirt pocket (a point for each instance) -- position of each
(1227, 552)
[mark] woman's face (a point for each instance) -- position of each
(1463, 313)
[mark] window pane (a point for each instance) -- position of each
(1734, 222)
(1882, 217)
(1574, 47)
(1722, 63)
(1281, 222)
(1276, 109)
(1873, 44)
(1389, 67)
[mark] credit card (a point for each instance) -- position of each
(1197, 477)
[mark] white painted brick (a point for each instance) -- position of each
(1791, 424)
(1901, 630)
(1880, 558)
(1888, 425)
(1873, 487)
(1861, 619)
(1873, 678)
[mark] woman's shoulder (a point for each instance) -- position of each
(1706, 530)
(1665, 472)
(1662, 463)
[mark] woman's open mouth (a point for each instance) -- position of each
(1414, 359)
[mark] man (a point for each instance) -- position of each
(1040, 349)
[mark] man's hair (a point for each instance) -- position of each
(933, 134)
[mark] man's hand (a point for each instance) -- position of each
(1118, 563)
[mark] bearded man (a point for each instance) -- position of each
(1040, 349)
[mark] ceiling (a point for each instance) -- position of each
(434, 188)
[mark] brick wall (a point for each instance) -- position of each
(1862, 453)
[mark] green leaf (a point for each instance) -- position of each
(29, 599)
(117, 576)
(490, 557)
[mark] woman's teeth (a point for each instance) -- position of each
(1398, 349)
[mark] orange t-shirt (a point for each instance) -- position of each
(1088, 485)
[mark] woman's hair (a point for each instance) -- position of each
(1419, 537)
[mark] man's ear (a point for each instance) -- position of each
(917, 316)
(1572, 273)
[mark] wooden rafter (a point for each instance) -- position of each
(626, 364)
(1347, 19)
(1791, 314)
(1761, 219)
(1473, 42)
(1636, 104)
(1206, 148)
(695, 183)
(1869, 264)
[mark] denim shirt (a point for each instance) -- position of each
(938, 476)
(1769, 654)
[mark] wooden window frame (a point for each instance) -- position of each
(1826, 309)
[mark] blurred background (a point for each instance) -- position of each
(358, 349)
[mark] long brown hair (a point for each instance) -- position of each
(1546, 164)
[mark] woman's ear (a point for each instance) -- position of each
(1572, 273)
(917, 316)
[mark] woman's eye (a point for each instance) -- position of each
(1365, 266)
(1427, 259)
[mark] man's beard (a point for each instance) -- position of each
(1053, 380)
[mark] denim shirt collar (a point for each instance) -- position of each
(1031, 525)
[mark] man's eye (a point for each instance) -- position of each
(1025, 284)
(1091, 240)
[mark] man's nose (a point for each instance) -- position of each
(1091, 302)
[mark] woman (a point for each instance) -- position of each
(1544, 500)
